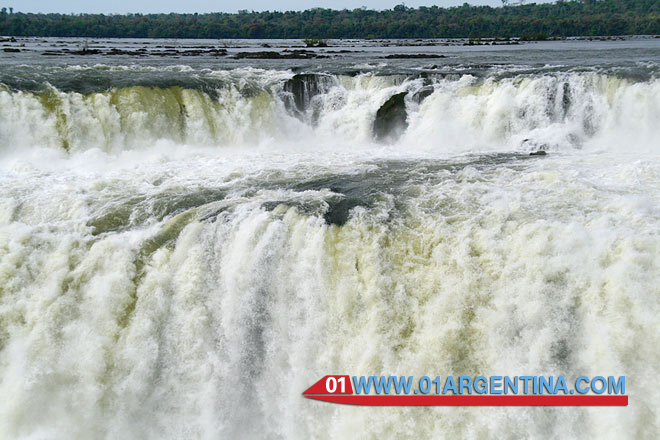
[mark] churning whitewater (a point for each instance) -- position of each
(184, 249)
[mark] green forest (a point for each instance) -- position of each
(549, 20)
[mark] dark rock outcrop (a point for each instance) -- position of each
(303, 87)
(391, 118)
(86, 52)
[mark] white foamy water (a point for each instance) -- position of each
(183, 263)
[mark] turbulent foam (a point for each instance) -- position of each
(165, 300)
(176, 263)
(553, 111)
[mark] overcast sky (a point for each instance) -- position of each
(146, 6)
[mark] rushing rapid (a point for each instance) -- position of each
(184, 249)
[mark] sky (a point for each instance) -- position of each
(158, 6)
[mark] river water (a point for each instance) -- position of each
(186, 244)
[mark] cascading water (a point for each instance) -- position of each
(462, 112)
(183, 259)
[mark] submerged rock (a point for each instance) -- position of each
(391, 118)
(413, 55)
(115, 51)
(421, 94)
(271, 55)
(537, 148)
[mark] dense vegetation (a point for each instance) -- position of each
(560, 19)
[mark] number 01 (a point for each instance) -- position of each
(331, 384)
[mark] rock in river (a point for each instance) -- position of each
(391, 118)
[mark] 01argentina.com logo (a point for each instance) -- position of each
(466, 390)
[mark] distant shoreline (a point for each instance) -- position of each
(587, 18)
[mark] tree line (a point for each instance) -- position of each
(552, 20)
